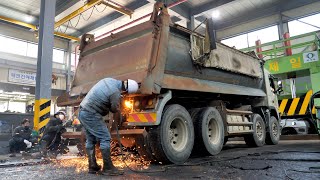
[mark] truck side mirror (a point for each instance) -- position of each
(280, 87)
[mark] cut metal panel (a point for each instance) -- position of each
(226, 58)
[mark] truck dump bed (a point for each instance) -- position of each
(159, 56)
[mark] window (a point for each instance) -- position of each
(32, 50)
(238, 42)
(20, 47)
(13, 46)
(3, 106)
(265, 35)
(58, 56)
(17, 107)
(247, 40)
(297, 28)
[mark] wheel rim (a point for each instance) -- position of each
(275, 130)
(213, 131)
(259, 130)
(178, 134)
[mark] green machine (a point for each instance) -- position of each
(294, 63)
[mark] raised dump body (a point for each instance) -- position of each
(191, 88)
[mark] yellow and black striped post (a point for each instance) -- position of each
(41, 114)
(296, 106)
(44, 65)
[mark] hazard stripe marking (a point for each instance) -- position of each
(293, 106)
(45, 105)
(147, 117)
(283, 105)
(296, 106)
(135, 117)
(305, 104)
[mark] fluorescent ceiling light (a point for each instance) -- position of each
(215, 14)
(28, 19)
(21, 93)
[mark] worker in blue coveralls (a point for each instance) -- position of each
(103, 97)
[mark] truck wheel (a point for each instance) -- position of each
(172, 141)
(209, 131)
(273, 136)
(258, 137)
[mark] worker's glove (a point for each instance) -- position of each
(114, 108)
(115, 101)
(28, 143)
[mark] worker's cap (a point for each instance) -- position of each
(132, 86)
(59, 112)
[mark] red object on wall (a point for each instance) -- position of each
(259, 49)
(287, 43)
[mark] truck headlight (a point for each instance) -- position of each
(293, 123)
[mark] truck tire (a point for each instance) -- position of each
(172, 141)
(209, 131)
(193, 113)
(257, 139)
(273, 136)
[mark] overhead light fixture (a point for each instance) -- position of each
(215, 14)
(28, 18)
(20, 93)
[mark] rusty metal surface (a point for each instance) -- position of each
(129, 59)
(179, 63)
(192, 84)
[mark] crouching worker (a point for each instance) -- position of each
(51, 141)
(102, 98)
(22, 139)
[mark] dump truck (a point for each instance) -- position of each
(194, 93)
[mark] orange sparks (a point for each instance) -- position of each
(130, 159)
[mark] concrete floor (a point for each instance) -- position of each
(288, 160)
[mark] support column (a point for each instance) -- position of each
(44, 65)
(282, 27)
(68, 54)
(190, 24)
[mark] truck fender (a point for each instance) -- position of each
(163, 99)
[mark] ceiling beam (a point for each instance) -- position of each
(209, 6)
(109, 18)
(181, 9)
(248, 16)
(62, 5)
(34, 28)
(77, 12)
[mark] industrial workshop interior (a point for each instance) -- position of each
(160, 89)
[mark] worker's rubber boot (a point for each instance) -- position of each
(108, 168)
(93, 166)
